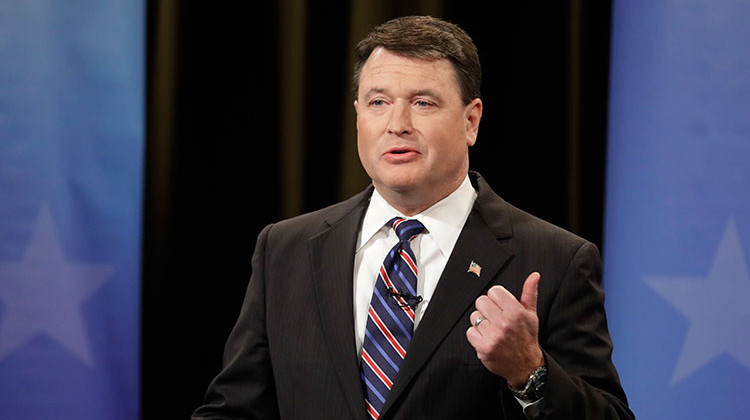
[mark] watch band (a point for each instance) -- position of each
(535, 385)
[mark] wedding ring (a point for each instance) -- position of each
(476, 323)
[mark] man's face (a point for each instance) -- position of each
(413, 130)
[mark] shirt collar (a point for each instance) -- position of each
(443, 220)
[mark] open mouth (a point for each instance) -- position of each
(400, 151)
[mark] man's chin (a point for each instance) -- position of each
(398, 185)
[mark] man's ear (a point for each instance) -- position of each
(356, 114)
(473, 115)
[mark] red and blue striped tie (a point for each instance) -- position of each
(390, 320)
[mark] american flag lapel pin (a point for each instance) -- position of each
(475, 268)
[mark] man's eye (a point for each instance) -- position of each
(377, 102)
(422, 104)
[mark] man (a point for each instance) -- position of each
(456, 320)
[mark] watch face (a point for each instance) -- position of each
(539, 381)
(534, 388)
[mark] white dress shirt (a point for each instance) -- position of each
(443, 222)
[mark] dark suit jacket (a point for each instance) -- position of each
(292, 352)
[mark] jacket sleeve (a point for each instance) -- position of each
(582, 381)
(245, 388)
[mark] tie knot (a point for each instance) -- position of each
(406, 228)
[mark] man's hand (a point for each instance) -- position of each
(506, 340)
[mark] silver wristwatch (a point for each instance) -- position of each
(535, 385)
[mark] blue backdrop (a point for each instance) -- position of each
(71, 151)
(677, 234)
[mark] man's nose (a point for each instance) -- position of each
(400, 121)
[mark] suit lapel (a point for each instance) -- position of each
(332, 258)
(458, 288)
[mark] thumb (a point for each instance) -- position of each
(530, 291)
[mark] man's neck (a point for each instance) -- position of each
(416, 201)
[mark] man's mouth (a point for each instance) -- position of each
(400, 155)
(400, 151)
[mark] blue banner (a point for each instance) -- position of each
(71, 164)
(677, 234)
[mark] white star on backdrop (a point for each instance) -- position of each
(43, 294)
(717, 307)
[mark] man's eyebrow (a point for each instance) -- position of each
(373, 91)
(426, 92)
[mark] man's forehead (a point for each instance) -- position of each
(414, 92)
(384, 68)
(381, 55)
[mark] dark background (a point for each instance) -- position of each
(250, 121)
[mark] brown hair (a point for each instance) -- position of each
(425, 38)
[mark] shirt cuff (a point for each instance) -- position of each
(530, 409)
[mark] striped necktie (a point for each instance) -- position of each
(390, 319)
